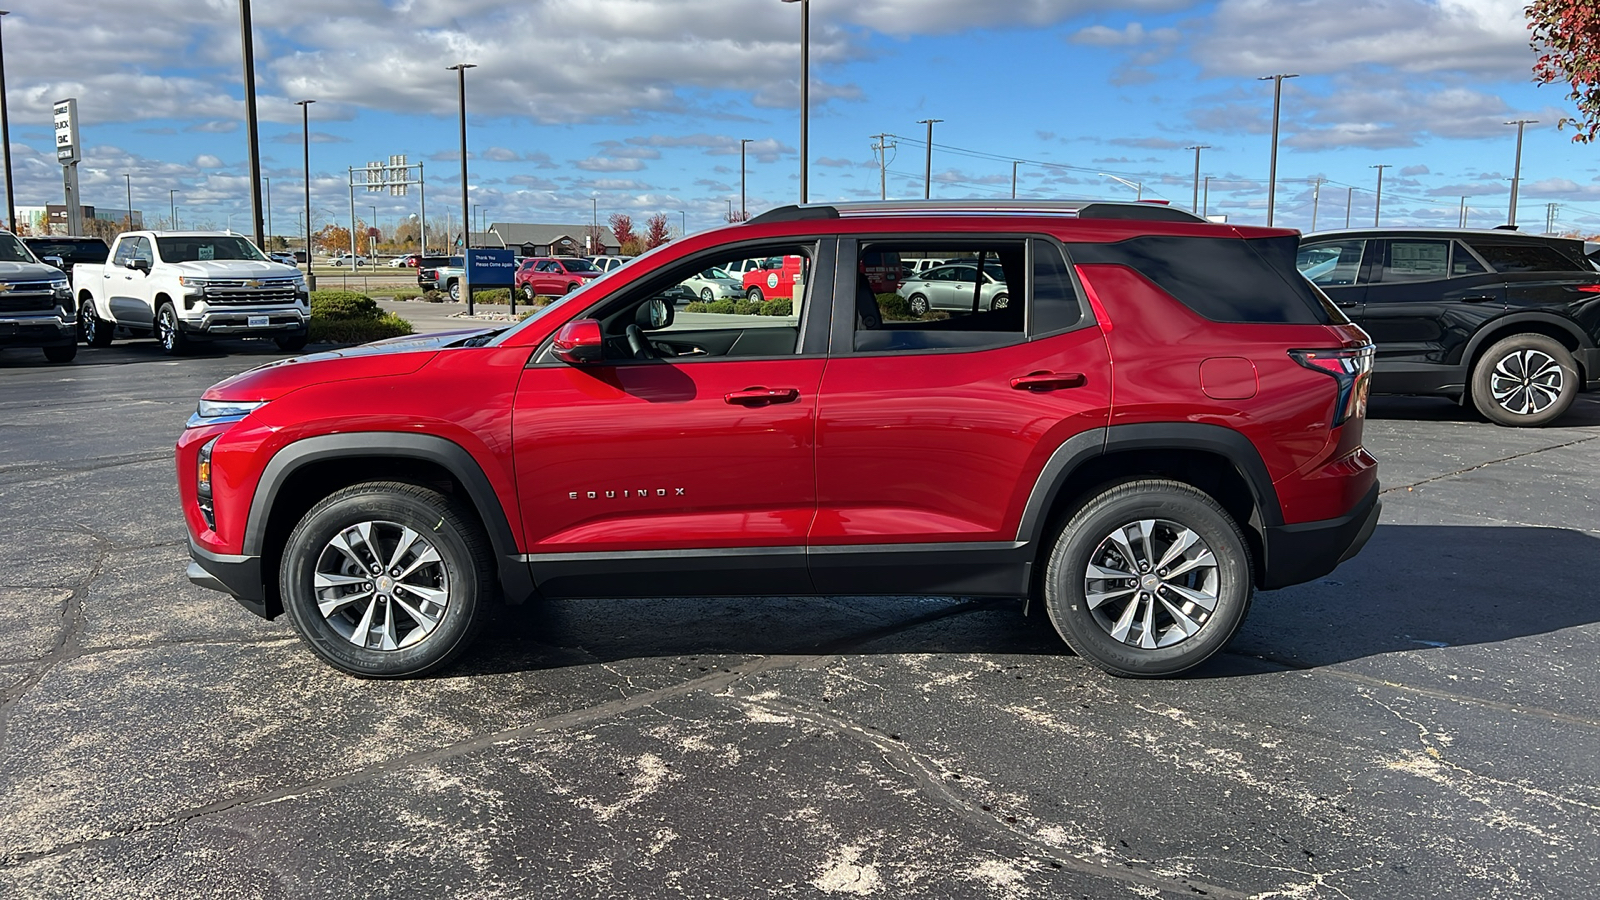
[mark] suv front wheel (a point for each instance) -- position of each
(1525, 380)
(386, 579)
(1150, 578)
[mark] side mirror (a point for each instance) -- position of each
(142, 265)
(56, 261)
(579, 342)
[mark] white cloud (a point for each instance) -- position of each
(609, 164)
(1132, 35)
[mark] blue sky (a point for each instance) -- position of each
(638, 106)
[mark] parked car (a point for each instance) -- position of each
(608, 263)
(350, 261)
(64, 252)
(715, 283)
(777, 279)
(1506, 321)
(36, 303)
(1141, 438)
(190, 286)
(956, 287)
(441, 273)
(287, 259)
(553, 275)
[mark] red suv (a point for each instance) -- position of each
(554, 275)
(1163, 418)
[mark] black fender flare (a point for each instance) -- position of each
(1480, 339)
(515, 579)
(1088, 445)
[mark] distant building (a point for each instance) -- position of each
(541, 239)
(52, 218)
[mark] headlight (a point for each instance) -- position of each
(61, 287)
(216, 412)
(189, 281)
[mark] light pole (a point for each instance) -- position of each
(305, 131)
(1014, 164)
(683, 223)
(372, 242)
(1316, 200)
(1378, 209)
(805, 96)
(1205, 199)
(1272, 175)
(1349, 202)
(927, 171)
(1197, 148)
(5, 136)
(1516, 173)
(743, 213)
(1463, 223)
(466, 203)
(269, 214)
(127, 178)
(1138, 186)
(172, 208)
(247, 40)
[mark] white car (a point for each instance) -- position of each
(952, 287)
(606, 263)
(714, 284)
(398, 262)
(340, 262)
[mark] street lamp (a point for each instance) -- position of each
(5, 140)
(172, 208)
(372, 242)
(1272, 175)
(927, 171)
(305, 130)
(269, 214)
(1197, 148)
(246, 39)
(466, 203)
(1378, 208)
(683, 223)
(805, 95)
(127, 177)
(742, 213)
(1014, 164)
(1516, 173)
(1205, 199)
(1138, 186)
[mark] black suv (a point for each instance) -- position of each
(1508, 321)
(69, 250)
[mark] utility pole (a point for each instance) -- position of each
(1316, 199)
(1516, 172)
(1205, 199)
(1014, 164)
(1349, 201)
(743, 213)
(1272, 176)
(127, 178)
(1195, 206)
(1378, 208)
(927, 172)
(881, 150)
(1550, 217)
(1463, 212)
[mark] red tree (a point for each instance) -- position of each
(1566, 34)
(657, 231)
(622, 228)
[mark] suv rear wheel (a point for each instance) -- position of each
(1150, 578)
(386, 579)
(1525, 380)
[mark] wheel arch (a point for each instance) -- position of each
(1217, 460)
(302, 473)
(1564, 331)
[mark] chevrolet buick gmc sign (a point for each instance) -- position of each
(67, 147)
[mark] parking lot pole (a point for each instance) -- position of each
(466, 201)
(5, 137)
(1516, 171)
(1014, 165)
(1316, 200)
(742, 214)
(1195, 206)
(1272, 172)
(422, 224)
(352, 219)
(1349, 201)
(305, 146)
(805, 96)
(1205, 198)
(253, 139)
(1377, 209)
(927, 170)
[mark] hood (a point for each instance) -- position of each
(395, 356)
(235, 268)
(12, 271)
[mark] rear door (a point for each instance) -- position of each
(1428, 297)
(129, 289)
(1338, 268)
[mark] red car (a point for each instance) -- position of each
(1164, 418)
(775, 280)
(554, 275)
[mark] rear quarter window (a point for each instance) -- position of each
(1509, 257)
(1222, 279)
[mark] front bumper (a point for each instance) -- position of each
(43, 330)
(235, 321)
(1299, 553)
(236, 575)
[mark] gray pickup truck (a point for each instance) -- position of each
(36, 305)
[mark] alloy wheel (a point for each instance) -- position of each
(381, 586)
(166, 329)
(1152, 583)
(1526, 382)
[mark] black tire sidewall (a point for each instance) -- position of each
(1064, 592)
(346, 508)
(755, 295)
(1483, 396)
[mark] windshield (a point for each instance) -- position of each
(12, 250)
(714, 272)
(579, 265)
(205, 248)
(72, 251)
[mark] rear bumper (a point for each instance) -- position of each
(1299, 553)
(239, 576)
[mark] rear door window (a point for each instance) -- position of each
(1518, 257)
(1416, 260)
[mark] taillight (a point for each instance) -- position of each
(1350, 368)
(1589, 288)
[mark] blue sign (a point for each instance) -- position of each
(491, 268)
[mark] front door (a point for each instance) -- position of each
(1429, 297)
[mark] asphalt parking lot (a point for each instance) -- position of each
(1423, 721)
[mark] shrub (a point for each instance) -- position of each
(406, 293)
(723, 307)
(343, 305)
(491, 295)
(697, 306)
(746, 307)
(894, 306)
(356, 330)
(777, 308)
(432, 296)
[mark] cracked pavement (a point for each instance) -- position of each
(1423, 720)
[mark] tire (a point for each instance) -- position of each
(93, 330)
(527, 293)
(291, 343)
(1524, 381)
(706, 295)
(61, 354)
(455, 291)
(173, 341)
(429, 617)
(1000, 301)
(755, 296)
(1111, 635)
(572, 287)
(919, 305)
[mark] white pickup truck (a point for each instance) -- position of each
(185, 287)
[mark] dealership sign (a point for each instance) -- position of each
(68, 149)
